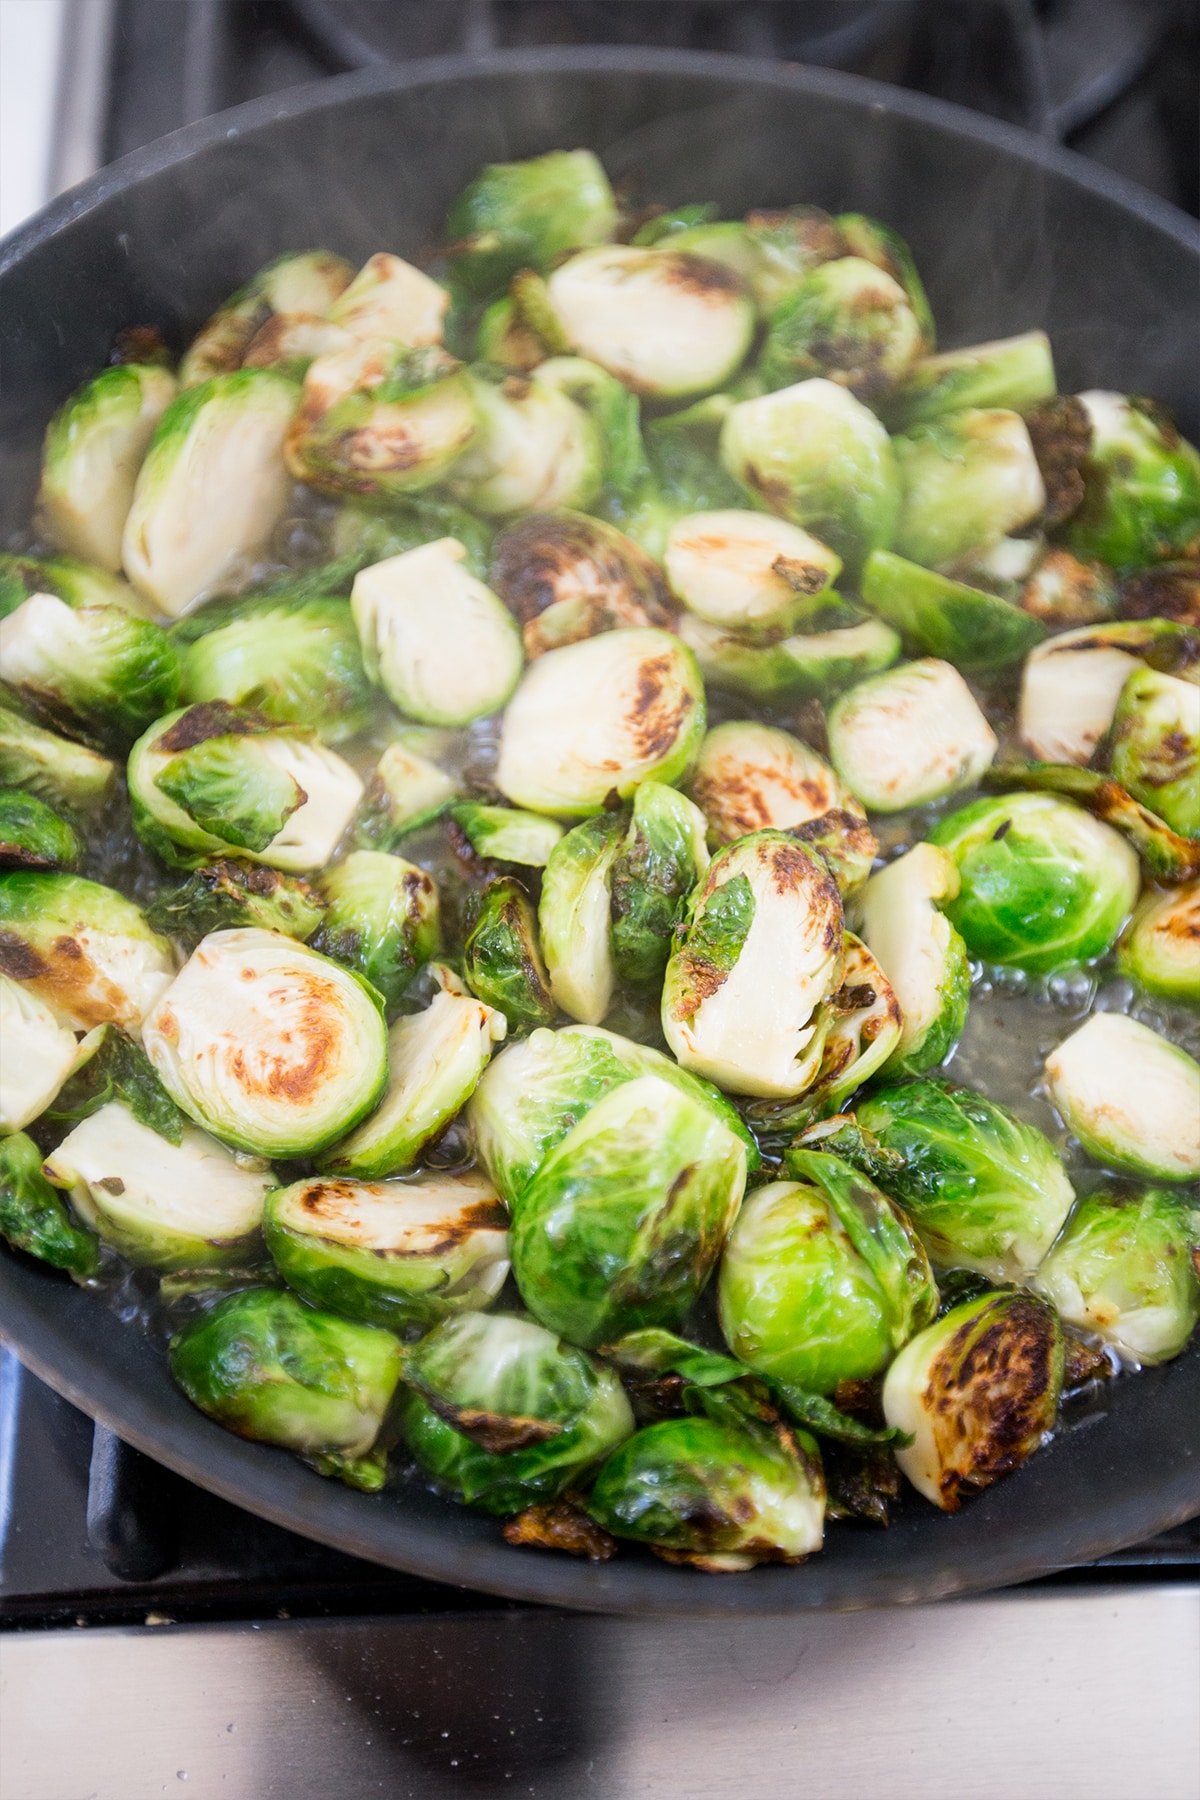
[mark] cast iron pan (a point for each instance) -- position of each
(1009, 234)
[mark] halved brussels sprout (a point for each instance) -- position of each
(721, 1496)
(977, 1393)
(266, 1366)
(744, 991)
(382, 919)
(535, 448)
(623, 1222)
(1128, 1268)
(822, 1279)
(51, 767)
(1161, 945)
(108, 1066)
(598, 718)
(33, 1217)
(98, 672)
(84, 949)
(503, 834)
(921, 954)
(212, 488)
(39, 1053)
(502, 959)
(1154, 747)
(748, 572)
(527, 214)
(1169, 591)
(406, 791)
(862, 1032)
(910, 735)
(967, 626)
(306, 284)
(1071, 684)
(166, 1206)
(444, 647)
(219, 895)
(211, 779)
(1063, 591)
(78, 583)
(615, 413)
(566, 576)
(1130, 1097)
(1042, 884)
(94, 448)
(392, 302)
(33, 836)
(1165, 855)
(984, 1189)
(537, 1090)
(849, 320)
(395, 1253)
(503, 1412)
(295, 660)
(271, 1047)
(1141, 500)
(815, 455)
(380, 420)
(1014, 373)
(663, 321)
(966, 480)
(752, 777)
(435, 1060)
(662, 857)
(819, 665)
(575, 917)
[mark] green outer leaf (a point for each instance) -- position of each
(226, 893)
(382, 920)
(219, 786)
(51, 767)
(502, 960)
(718, 931)
(111, 1066)
(940, 617)
(33, 1215)
(659, 863)
(33, 836)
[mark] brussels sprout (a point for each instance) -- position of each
(743, 996)
(535, 448)
(985, 1190)
(381, 919)
(212, 488)
(392, 302)
(407, 790)
(78, 583)
(33, 1217)
(442, 645)
(822, 1279)
(815, 455)
(663, 856)
(290, 342)
(1161, 945)
(527, 214)
(665, 322)
(219, 895)
(84, 949)
(99, 672)
(504, 338)
(968, 627)
(566, 576)
(502, 959)
(380, 420)
(51, 767)
(32, 836)
(862, 1032)
(1015, 373)
(361, 532)
(503, 1412)
(718, 1495)
(752, 777)
(502, 834)
(1141, 500)
(1127, 1267)
(575, 917)
(818, 666)
(39, 1052)
(211, 779)
(1130, 1097)
(296, 661)
(598, 718)
(747, 572)
(162, 1205)
(879, 244)
(967, 480)
(849, 320)
(397, 1253)
(110, 1066)
(977, 1393)
(1165, 855)
(1063, 591)
(268, 1367)
(614, 412)
(271, 1047)
(1070, 686)
(623, 1222)
(1169, 591)
(921, 953)
(537, 1090)
(910, 735)
(94, 448)
(1154, 747)
(306, 284)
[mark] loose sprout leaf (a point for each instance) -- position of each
(111, 1066)
(220, 786)
(226, 893)
(33, 1215)
(33, 836)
